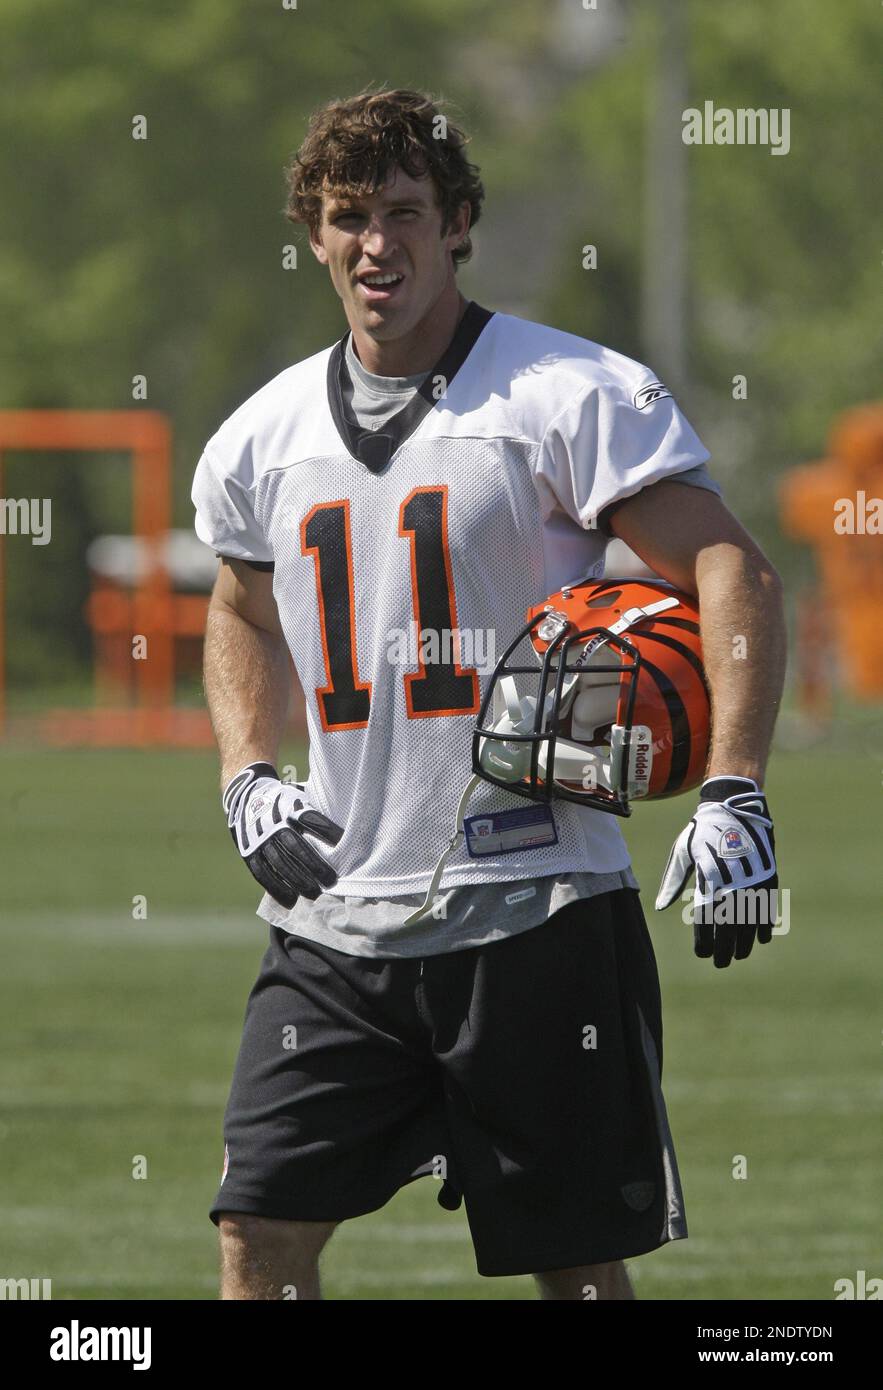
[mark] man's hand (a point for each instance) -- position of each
(730, 844)
(269, 821)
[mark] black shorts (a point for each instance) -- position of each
(523, 1075)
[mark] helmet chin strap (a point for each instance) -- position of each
(457, 836)
(519, 718)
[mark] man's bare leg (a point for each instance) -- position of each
(265, 1258)
(586, 1281)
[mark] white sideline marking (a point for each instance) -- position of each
(159, 929)
(807, 1093)
(201, 1097)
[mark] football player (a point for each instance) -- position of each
(429, 476)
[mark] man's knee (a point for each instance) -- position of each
(586, 1282)
(265, 1232)
(265, 1257)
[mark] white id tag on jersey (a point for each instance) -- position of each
(507, 831)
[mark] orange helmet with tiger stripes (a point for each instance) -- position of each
(619, 708)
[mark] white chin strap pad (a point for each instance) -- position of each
(513, 714)
(594, 708)
(574, 762)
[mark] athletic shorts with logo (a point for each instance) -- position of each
(522, 1075)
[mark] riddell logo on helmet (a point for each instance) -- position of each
(590, 648)
(642, 760)
(641, 765)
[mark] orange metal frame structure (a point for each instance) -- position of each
(152, 609)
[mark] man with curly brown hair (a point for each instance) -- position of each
(438, 470)
(398, 148)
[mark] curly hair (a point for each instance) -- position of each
(353, 145)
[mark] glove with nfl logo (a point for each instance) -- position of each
(269, 821)
(730, 844)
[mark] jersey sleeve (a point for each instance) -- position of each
(224, 498)
(610, 442)
(699, 477)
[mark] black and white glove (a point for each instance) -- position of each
(269, 821)
(731, 845)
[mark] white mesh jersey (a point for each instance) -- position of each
(479, 498)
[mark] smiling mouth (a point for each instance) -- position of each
(380, 285)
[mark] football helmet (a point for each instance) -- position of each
(614, 706)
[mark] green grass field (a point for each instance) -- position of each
(119, 1036)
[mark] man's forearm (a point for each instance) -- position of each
(247, 686)
(744, 646)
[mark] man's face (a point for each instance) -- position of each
(394, 232)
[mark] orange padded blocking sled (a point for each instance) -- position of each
(835, 506)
